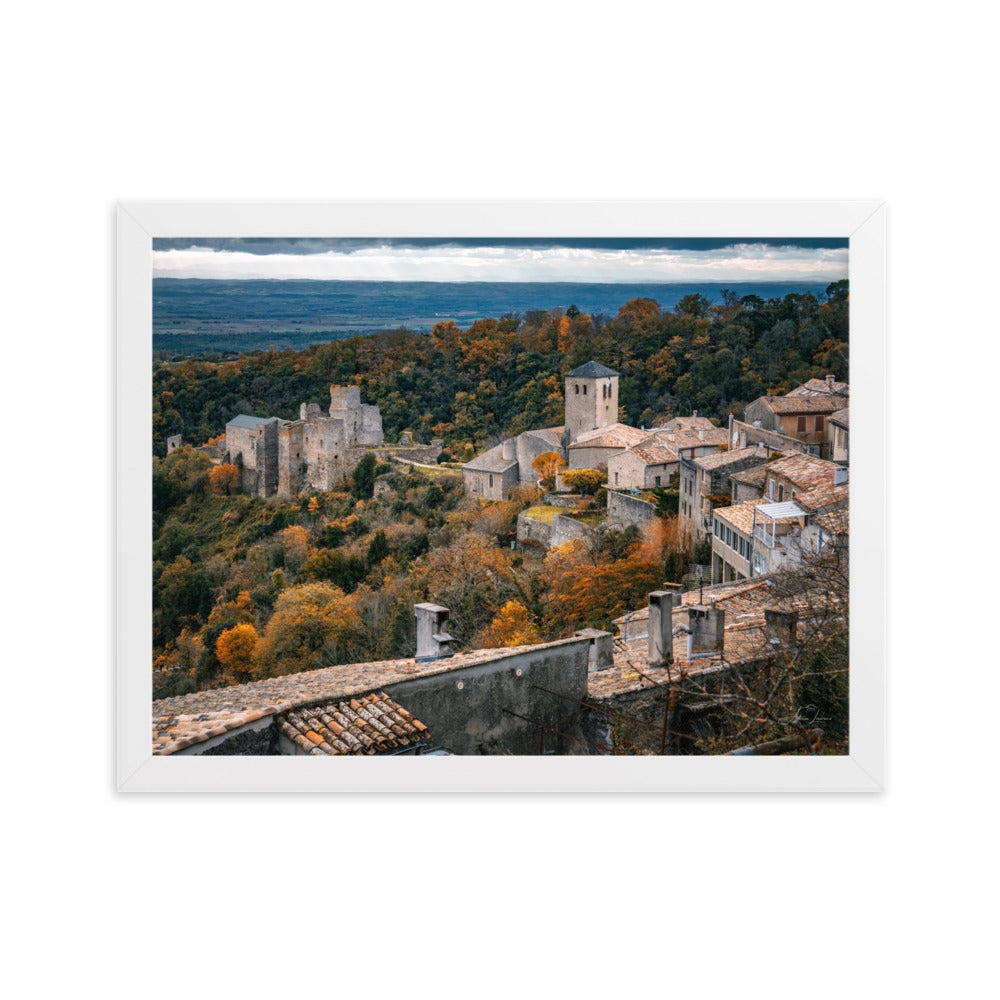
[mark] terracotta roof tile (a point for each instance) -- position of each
(369, 725)
(724, 458)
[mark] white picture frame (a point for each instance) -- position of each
(862, 221)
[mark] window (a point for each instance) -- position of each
(657, 480)
(819, 423)
(781, 493)
(771, 489)
(577, 388)
(491, 479)
(585, 390)
(800, 425)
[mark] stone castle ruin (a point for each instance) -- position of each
(315, 452)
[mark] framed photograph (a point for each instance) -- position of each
(568, 496)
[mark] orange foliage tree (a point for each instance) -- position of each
(235, 651)
(548, 465)
(224, 479)
(578, 593)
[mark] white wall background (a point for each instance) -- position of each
(476, 896)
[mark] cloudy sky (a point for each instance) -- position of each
(585, 260)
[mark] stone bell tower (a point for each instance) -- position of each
(591, 399)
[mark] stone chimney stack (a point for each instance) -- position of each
(829, 382)
(661, 626)
(601, 654)
(433, 643)
(509, 450)
(780, 626)
(706, 624)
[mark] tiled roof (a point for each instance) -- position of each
(369, 725)
(802, 404)
(696, 437)
(176, 731)
(805, 472)
(841, 417)
(615, 436)
(490, 461)
(180, 721)
(836, 521)
(751, 477)
(591, 370)
(744, 603)
(653, 451)
(690, 424)
(824, 496)
(723, 458)
(820, 385)
(740, 516)
(552, 436)
(250, 423)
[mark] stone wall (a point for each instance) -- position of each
(562, 529)
(469, 711)
(624, 509)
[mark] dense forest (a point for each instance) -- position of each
(246, 588)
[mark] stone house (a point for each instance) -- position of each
(491, 475)
(650, 463)
(597, 448)
(704, 483)
(802, 415)
(801, 508)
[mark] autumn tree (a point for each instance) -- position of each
(313, 625)
(512, 626)
(235, 651)
(586, 481)
(224, 479)
(295, 541)
(548, 465)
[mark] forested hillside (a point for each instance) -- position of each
(505, 375)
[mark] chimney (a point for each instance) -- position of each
(706, 629)
(661, 627)
(695, 414)
(432, 641)
(829, 382)
(779, 626)
(509, 450)
(600, 655)
(701, 433)
(839, 476)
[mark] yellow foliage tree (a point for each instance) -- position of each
(313, 625)
(513, 626)
(235, 649)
